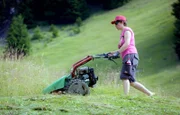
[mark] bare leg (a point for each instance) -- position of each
(142, 88)
(126, 86)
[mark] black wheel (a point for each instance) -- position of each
(78, 87)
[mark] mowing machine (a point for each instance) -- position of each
(80, 78)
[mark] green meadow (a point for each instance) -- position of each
(22, 81)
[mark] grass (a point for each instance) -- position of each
(22, 81)
(153, 32)
(22, 77)
(108, 103)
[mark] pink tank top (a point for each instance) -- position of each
(131, 48)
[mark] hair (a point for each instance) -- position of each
(124, 22)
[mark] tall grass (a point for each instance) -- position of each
(22, 77)
(25, 77)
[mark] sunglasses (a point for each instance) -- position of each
(116, 23)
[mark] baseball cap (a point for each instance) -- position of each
(120, 17)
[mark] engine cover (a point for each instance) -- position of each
(87, 75)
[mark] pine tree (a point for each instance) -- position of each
(18, 40)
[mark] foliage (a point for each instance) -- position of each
(77, 8)
(79, 22)
(18, 40)
(76, 30)
(176, 13)
(37, 34)
(7, 11)
(5, 6)
(110, 4)
(54, 31)
(26, 8)
(55, 11)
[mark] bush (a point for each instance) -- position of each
(52, 27)
(54, 31)
(76, 30)
(18, 40)
(37, 34)
(79, 21)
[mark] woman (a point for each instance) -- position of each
(129, 55)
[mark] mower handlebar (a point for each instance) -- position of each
(89, 58)
(106, 55)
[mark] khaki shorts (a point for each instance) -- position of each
(130, 63)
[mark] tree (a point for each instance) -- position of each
(110, 4)
(176, 13)
(55, 11)
(18, 40)
(25, 8)
(75, 9)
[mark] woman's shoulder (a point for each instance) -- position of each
(128, 28)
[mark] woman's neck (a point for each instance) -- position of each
(124, 27)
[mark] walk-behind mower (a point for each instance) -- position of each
(80, 78)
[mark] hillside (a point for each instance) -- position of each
(22, 81)
(152, 23)
(153, 26)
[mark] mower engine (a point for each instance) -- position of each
(87, 75)
(83, 79)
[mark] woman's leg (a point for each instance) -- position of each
(141, 88)
(126, 86)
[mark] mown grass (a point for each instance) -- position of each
(109, 103)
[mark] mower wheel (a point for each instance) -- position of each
(78, 87)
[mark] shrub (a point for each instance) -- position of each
(52, 27)
(54, 31)
(37, 34)
(79, 21)
(18, 40)
(76, 30)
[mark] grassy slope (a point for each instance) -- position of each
(152, 23)
(158, 69)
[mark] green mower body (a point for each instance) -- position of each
(58, 84)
